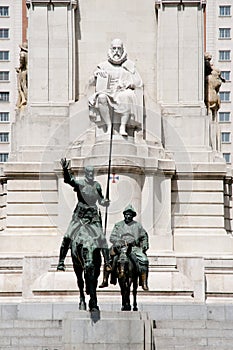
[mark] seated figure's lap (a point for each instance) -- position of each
(102, 98)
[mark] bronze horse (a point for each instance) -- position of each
(86, 263)
(127, 275)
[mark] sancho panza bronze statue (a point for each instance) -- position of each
(131, 232)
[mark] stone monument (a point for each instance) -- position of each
(118, 90)
(163, 161)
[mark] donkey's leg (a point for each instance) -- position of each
(122, 287)
(125, 293)
(135, 287)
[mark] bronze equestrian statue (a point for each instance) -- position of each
(85, 234)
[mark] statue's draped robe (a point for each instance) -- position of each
(123, 100)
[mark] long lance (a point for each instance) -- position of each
(108, 179)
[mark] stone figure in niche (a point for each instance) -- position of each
(129, 232)
(22, 78)
(213, 82)
(118, 87)
(85, 235)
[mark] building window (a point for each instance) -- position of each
(226, 74)
(226, 137)
(4, 136)
(3, 157)
(224, 96)
(227, 157)
(4, 55)
(224, 117)
(4, 33)
(224, 33)
(4, 96)
(224, 10)
(4, 117)
(224, 55)
(4, 11)
(4, 76)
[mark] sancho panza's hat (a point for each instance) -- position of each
(130, 208)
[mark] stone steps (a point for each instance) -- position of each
(176, 326)
(30, 334)
(39, 326)
(193, 334)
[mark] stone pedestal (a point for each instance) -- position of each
(108, 331)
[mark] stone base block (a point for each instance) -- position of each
(194, 240)
(107, 330)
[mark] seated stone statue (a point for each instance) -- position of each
(117, 82)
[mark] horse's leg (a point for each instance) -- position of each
(82, 303)
(92, 271)
(79, 274)
(93, 294)
(90, 279)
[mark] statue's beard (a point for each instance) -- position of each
(115, 59)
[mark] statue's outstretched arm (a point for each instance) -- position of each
(68, 178)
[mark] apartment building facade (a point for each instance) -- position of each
(13, 24)
(219, 32)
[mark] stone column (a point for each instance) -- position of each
(156, 210)
(180, 71)
(180, 51)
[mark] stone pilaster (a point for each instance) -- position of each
(52, 52)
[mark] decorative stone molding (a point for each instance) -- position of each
(159, 3)
(73, 3)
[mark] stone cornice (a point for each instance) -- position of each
(73, 3)
(159, 3)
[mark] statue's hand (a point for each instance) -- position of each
(131, 242)
(64, 163)
(106, 202)
(131, 87)
(101, 73)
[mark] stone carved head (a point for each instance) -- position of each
(117, 53)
